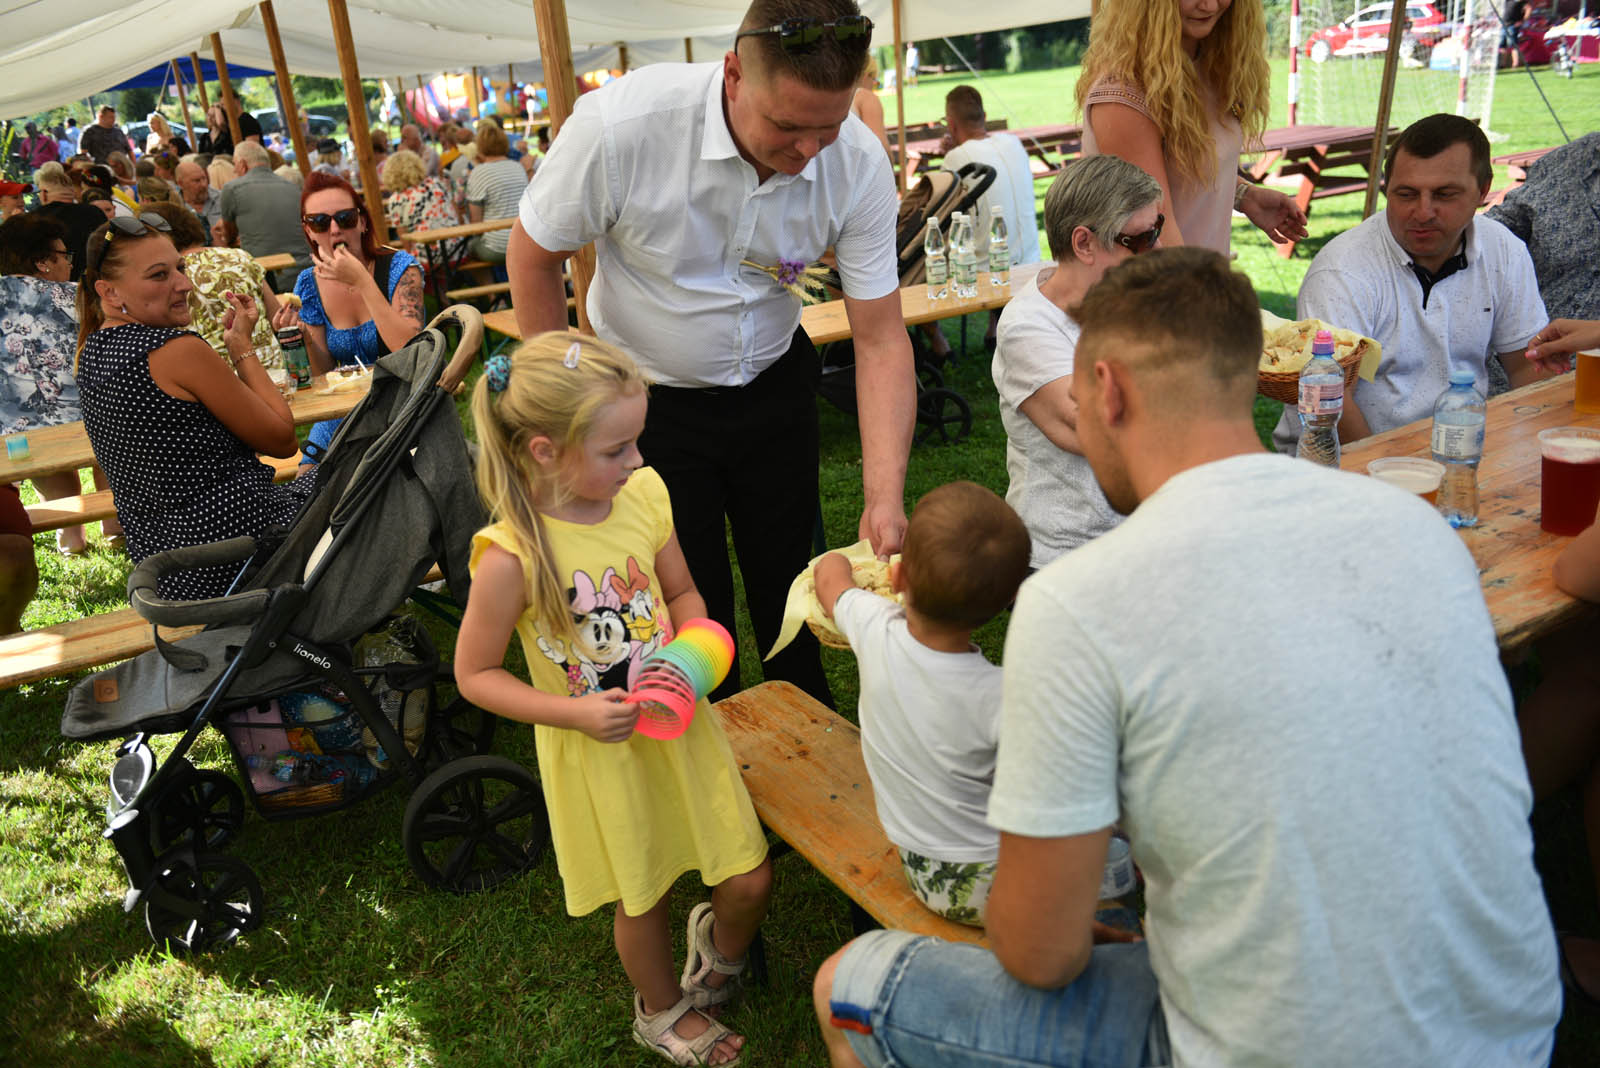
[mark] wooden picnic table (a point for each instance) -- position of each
(1309, 153)
(1517, 163)
(1064, 140)
(453, 233)
(54, 449)
(1515, 558)
(277, 261)
(827, 322)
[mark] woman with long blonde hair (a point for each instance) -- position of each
(1178, 88)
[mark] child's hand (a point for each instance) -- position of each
(831, 576)
(605, 716)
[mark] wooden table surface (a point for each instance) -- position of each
(275, 262)
(1515, 558)
(450, 233)
(827, 321)
(54, 449)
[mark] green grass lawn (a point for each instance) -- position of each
(358, 963)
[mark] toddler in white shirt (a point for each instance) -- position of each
(930, 702)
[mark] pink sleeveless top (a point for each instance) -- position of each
(1203, 209)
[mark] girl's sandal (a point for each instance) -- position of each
(703, 959)
(653, 1031)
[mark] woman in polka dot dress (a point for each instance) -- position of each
(177, 430)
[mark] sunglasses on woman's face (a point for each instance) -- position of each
(318, 222)
(132, 226)
(1142, 242)
(799, 34)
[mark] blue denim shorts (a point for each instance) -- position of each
(905, 999)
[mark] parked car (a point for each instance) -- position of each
(1367, 30)
(140, 132)
(321, 125)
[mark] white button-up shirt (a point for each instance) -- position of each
(648, 169)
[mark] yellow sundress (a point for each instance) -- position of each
(627, 819)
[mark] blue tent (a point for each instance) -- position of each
(155, 76)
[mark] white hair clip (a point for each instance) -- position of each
(571, 359)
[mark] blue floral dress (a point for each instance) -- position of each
(38, 332)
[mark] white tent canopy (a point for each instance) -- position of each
(62, 50)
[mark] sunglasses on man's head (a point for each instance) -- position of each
(797, 35)
(130, 225)
(1142, 242)
(318, 222)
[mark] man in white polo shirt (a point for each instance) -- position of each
(1438, 287)
(698, 183)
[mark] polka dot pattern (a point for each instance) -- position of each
(178, 475)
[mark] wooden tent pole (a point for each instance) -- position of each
(900, 94)
(183, 103)
(688, 49)
(1380, 127)
(474, 97)
(555, 47)
(199, 82)
(622, 56)
(356, 101)
(229, 103)
(291, 111)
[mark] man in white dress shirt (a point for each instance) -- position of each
(694, 181)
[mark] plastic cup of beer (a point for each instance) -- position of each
(1587, 398)
(1569, 490)
(1413, 474)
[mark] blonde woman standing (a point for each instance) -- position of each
(1178, 88)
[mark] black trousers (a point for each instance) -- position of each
(745, 457)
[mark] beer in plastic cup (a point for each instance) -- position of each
(1587, 398)
(1569, 490)
(1414, 474)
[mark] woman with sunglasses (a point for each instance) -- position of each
(1097, 213)
(1177, 88)
(357, 302)
(176, 429)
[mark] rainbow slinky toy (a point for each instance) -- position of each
(675, 677)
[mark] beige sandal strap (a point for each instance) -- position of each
(654, 1030)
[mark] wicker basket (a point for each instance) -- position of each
(1285, 385)
(826, 636)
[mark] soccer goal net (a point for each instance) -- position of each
(1448, 55)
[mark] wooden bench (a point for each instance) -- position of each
(93, 507)
(70, 647)
(802, 765)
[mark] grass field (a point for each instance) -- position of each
(359, 964)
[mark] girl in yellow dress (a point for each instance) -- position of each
(583, 563)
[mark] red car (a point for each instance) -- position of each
(1368, 31)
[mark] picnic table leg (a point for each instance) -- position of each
(1302, 197)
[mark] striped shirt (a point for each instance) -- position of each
(498, 187)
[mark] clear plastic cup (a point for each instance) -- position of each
(1411, 473)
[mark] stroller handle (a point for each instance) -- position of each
(469, 321)
(237, 608)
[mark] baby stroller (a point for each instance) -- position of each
(941, 413)
(321, 696)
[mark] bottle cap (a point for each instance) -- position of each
(1463, 377)
(1322, 343)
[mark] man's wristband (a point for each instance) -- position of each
(1238, 195)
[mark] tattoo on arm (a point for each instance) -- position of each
(408, 296)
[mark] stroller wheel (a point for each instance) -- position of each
(197, 903)
(942, 415)
(461, 730)
(929, 376)
(475, 823)
(205, 809)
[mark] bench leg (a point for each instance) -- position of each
(861, 920)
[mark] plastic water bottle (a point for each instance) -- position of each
(1321, 403)
(936, 267)
(1458, 423)
(964, 267)
(999, 250)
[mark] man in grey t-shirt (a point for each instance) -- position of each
(261, 213)
(1284, 766)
